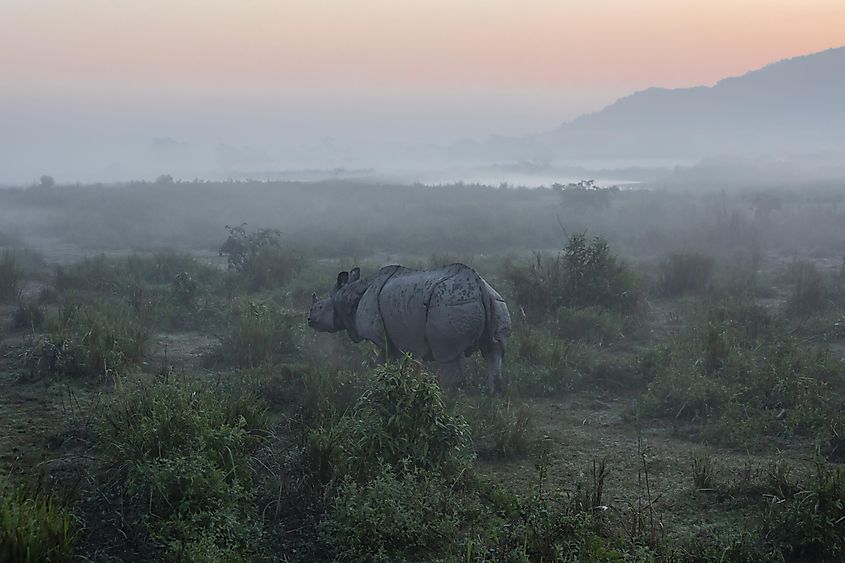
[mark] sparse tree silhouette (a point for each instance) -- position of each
(46, 181)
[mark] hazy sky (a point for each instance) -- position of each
(83, 74)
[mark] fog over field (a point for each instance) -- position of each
(423, 281)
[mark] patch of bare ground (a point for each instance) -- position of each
(180, 351)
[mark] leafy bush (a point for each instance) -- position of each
(33, 527)
(685, 272)
(583, 274)
(595, 277)
(807, 524)
(394, 516)
(401, 421)
(258, 257)
(182, 461)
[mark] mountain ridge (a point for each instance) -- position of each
(792, 104)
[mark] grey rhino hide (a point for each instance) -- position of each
(435, 314)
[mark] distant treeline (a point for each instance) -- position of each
(348, 218)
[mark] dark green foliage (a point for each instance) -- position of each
(585, 196)
(685, 272)
(537, 288)
(168, 289)
(583, 275)
(258, 257)
(595, 277)
(539, 364)
(808, 294)
(33, 528)
(257, 334)
(500, 430)
(182, 462)
(403, 422)
(394, 516)
(806, 524)
(593, 324)
(93, 339)
(733, 369)
(727, 544)
(28, 316)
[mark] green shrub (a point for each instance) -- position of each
(91, 274)
(536, 287)
(258, 258)
(593, 324)
(685, 272)
(595, 277)
(394, 516)
(501, 430)
(548, 528)
(539, 364)
(583, 274)
(807, 524)
(258, 334)
(93, 339)
(401, 420)
(734, 370)
(182, 459)
(33, 528)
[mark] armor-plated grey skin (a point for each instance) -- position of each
(436, 315)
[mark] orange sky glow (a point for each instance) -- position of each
(558, 44)
(88, 84)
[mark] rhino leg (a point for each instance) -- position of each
(451, 373)
(493, 355)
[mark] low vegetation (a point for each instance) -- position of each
(674, 405)
(33, 526)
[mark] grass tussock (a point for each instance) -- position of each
(33, 527)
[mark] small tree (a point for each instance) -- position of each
(258, 257)
(46, 181)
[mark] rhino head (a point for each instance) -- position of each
(337, 311)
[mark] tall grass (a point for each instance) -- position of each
(182, 459)
(10, 276)
(33, 527)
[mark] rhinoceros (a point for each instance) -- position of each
(435, 315)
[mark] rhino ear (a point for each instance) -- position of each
(342, 278)
(314, 297)
(355, 274)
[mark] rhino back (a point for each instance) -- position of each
(434, 314)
